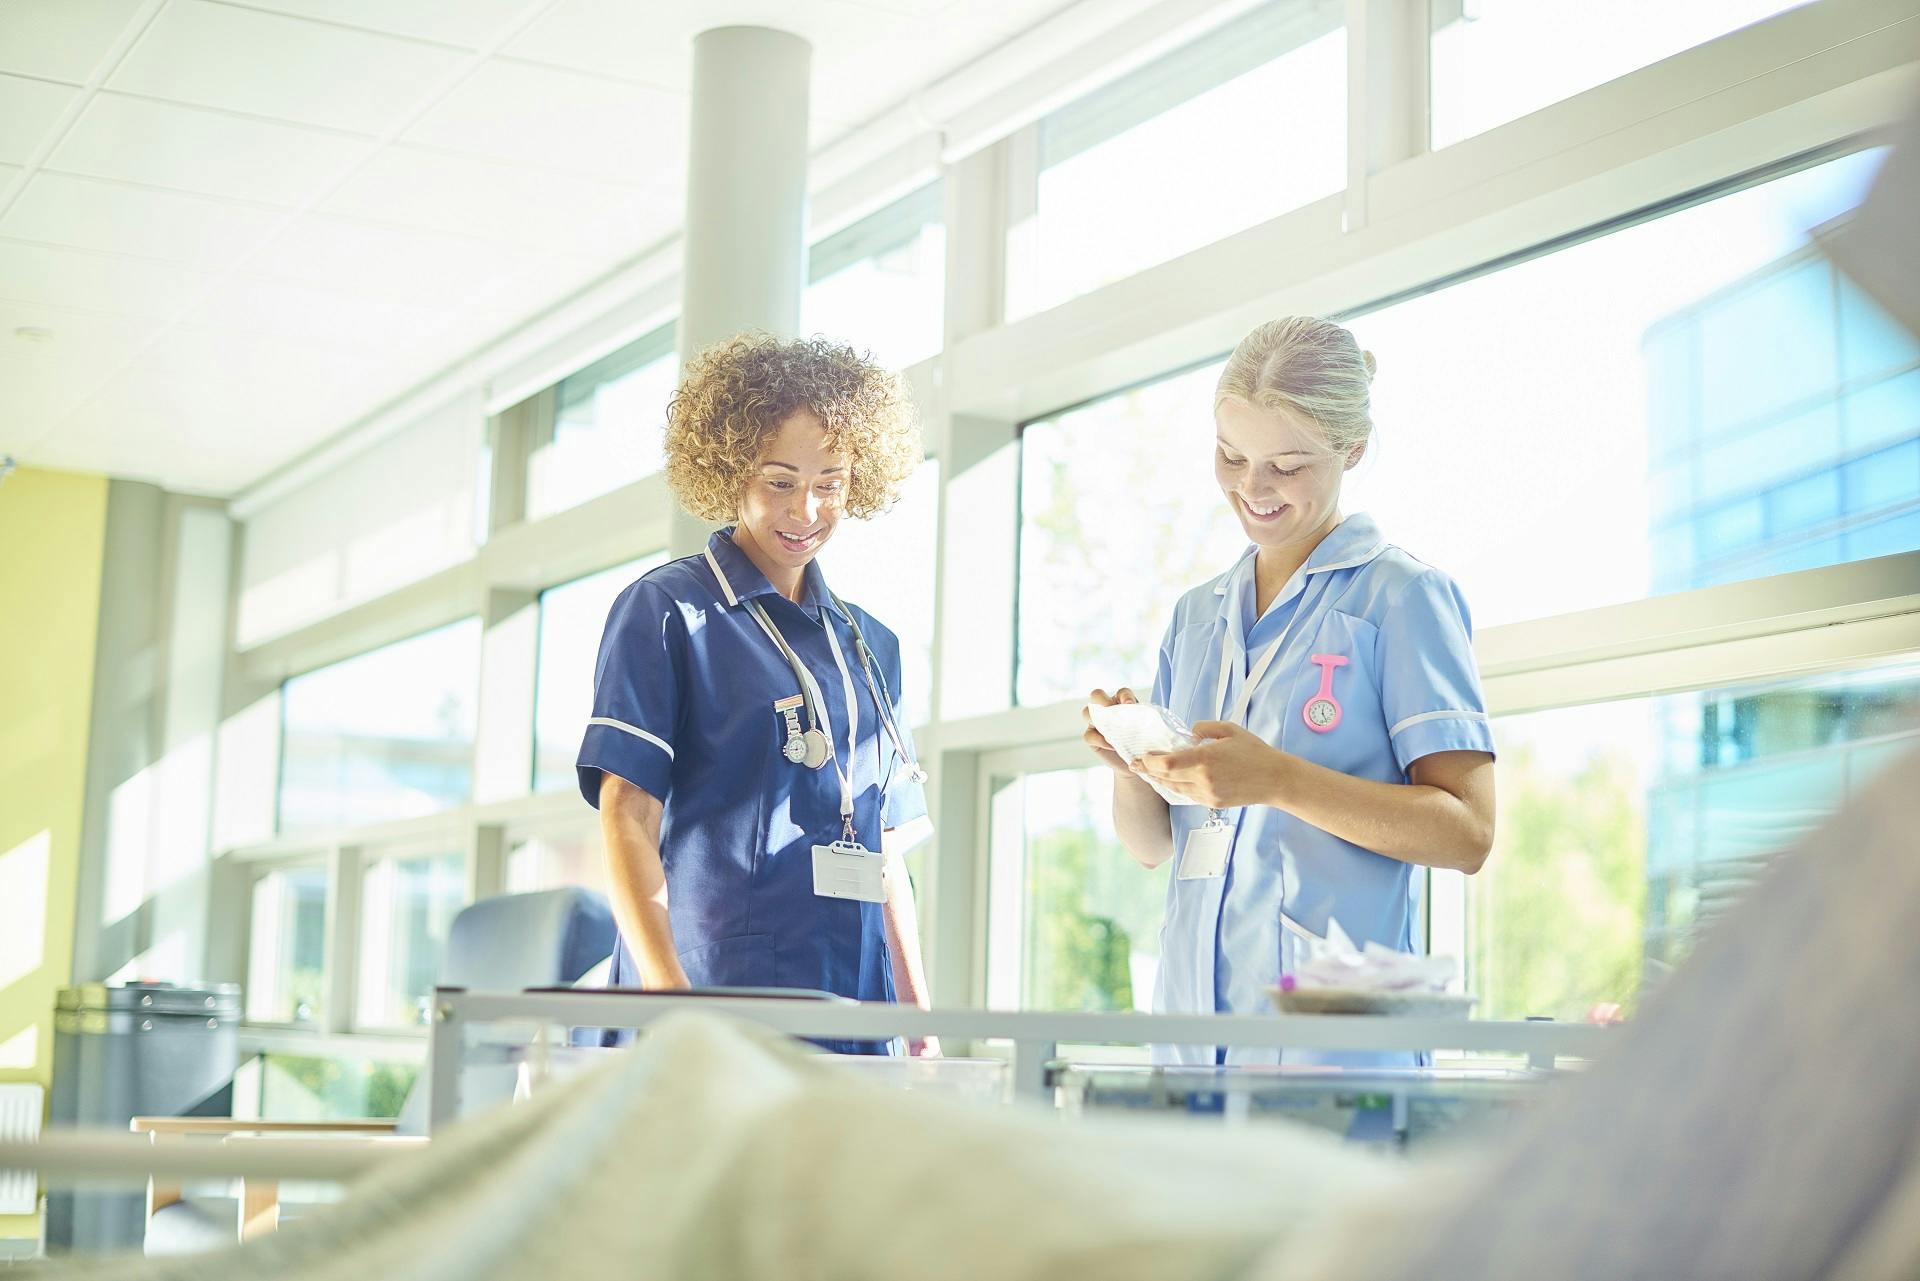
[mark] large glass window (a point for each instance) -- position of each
(1498, 60)
(286, 955)
(1628, 828)
(883, 566)
(573, 618)
(1235, 128)
(881, 284)
(387, 735)
(1074, 921)
(1119, 514)
(1695, 400)
(406, 904)
(609, 424)
(298, 1087)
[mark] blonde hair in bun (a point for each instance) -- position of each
(1306, 366)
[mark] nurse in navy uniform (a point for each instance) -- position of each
(755, 784)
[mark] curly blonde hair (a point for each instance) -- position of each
(734, 395)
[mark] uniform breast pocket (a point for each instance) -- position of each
(1333, 714)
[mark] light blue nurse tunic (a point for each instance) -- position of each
(684, 708)
(1409, 688)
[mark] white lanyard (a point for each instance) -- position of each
(811, 689)
(1238, 715)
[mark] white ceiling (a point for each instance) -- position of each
(233, 228)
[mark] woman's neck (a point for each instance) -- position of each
(1274, 567)
(786, 579)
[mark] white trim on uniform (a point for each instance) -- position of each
(1361, 559)
(725, 586)
(1436, 716)
(634, 730)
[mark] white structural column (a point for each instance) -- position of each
(746, 231)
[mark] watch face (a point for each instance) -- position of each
(816, 749)
(1321, 711)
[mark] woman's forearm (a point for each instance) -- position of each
(637, 881)
(1415, 822)
(1141, 821)
(903, 936)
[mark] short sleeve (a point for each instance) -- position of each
(636, 695)
(1429, 685)
(1163, 668)
(906, 800)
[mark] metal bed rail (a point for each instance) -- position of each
(460, 1018)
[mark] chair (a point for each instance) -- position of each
(515, 941)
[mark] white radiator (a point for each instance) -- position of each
(20, 1107)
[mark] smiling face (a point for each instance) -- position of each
(793, 500)
(1277, 474)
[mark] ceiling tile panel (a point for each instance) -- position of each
(90, 214)
(396, 263)
(45, 377)
(28, 111)
(470, 24)
(60, 39)
(108, 283)
(319, 317)
(210, 152)
(209, 412)
(526, 114)
(411, 187)
(216, 55)
(654, 42)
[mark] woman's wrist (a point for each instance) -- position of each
(1283, 780)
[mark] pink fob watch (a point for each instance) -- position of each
(1322, 712)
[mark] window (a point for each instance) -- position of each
(573, 617)
(882, 565)
(406, 905)
(286, 954)
(1119, 514)
(571, 855)
(609, 424)
(1698, 399)
(387, 735)
(1240, 126)
(1073, 921)
(1627, 828)
(881, 284)
(297, 1087)
(1498, 60)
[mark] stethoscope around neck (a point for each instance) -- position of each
(812, 747)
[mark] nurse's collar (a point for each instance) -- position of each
(1354, 541)
(738, 578)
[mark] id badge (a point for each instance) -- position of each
(1205, 855)
(848, 869)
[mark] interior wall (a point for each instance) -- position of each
(52, 547)
(143, 891)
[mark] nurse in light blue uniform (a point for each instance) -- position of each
(745, 718)
(1331, 676)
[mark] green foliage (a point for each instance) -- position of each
(1090, 908)
(1558, 916)
(336, 1088)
